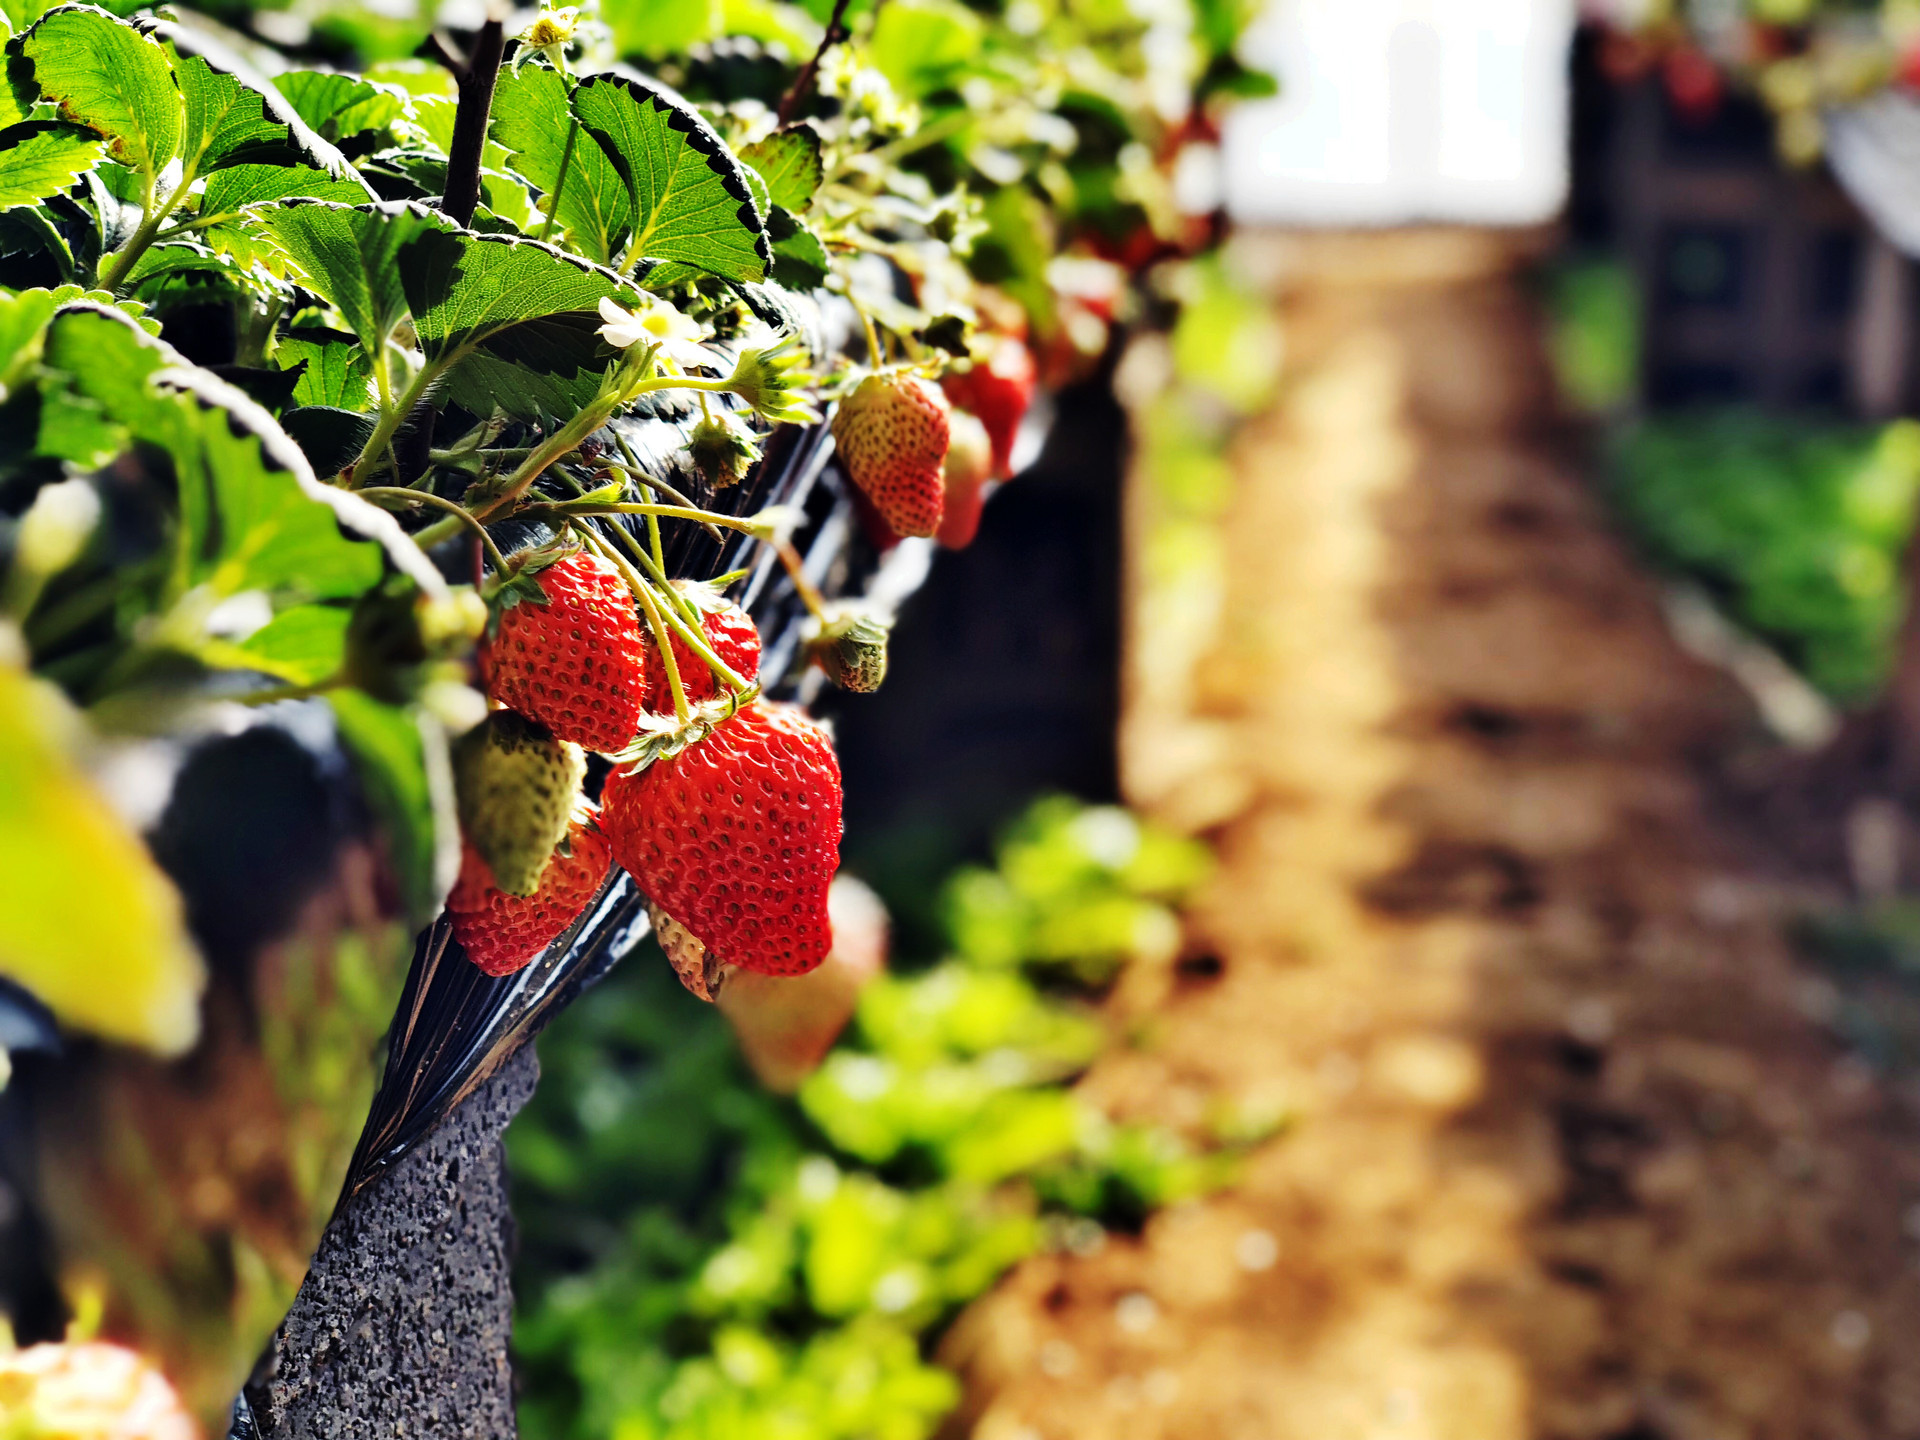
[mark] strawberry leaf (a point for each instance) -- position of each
(106, 75)
(302, 645)
(692, 201)
(338, 373)
(39, 158)
(532, 121)
(252, 515)
(789, 161)
(348, 255)
(337, 106)
(234, 116)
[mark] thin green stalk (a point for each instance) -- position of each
(292, 692)
(655, 571)
(643, 592)
(796, 571)
(411, 496)
(696, 639)
(640, 477)
(653, 539)
(393, 413)
(153, 214)
(743, 523)
(876, 357)
(560, 185)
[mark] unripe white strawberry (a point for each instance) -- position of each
(787, 1023)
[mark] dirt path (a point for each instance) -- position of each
(1570, 1159)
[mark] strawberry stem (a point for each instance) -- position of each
(696, 639)
(797, 572)
(876, 357)
(655, 571)
(407, 497)
(578, 508)
(643, 592)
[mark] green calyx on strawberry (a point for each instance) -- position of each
(568, 649)
(500, 932)
(515, 787)
(892, 432)
(773, 380)
(737, 837)
(997, 387)
(852, 649)
(722, 450)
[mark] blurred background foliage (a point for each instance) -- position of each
(701, 1258)
(1795, 523)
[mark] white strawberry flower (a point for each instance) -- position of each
(656, 323)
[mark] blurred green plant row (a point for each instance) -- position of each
(702, 1259)
(1796, 524)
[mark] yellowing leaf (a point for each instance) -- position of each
(88, 922)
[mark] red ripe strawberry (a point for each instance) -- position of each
(998, 389)
(728, 631)
(1693, 82)
(969, 467)
(575, 663)
(892, 436)
(737, 837)
(502, 932)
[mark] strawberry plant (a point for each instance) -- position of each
(479, 406)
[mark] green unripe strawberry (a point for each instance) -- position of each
(853, 652)
(722, 451)
(516, 787)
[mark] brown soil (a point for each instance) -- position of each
(1572, 1156)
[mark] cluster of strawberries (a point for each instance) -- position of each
(921, 455)
(734, 838)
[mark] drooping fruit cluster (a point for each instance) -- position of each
(891, 432)
(737, 837)
(732, 833)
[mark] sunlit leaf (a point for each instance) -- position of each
(531, 121)
(103, 73)
(252, 514)
(789, 161)
(691, 198)
(234, 116)
(339, 106)
(228, 190)
(338, 372)
(303, 645)
(88, 923)
(39, 158)
(348, 255)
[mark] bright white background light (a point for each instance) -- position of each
(1393, 111)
